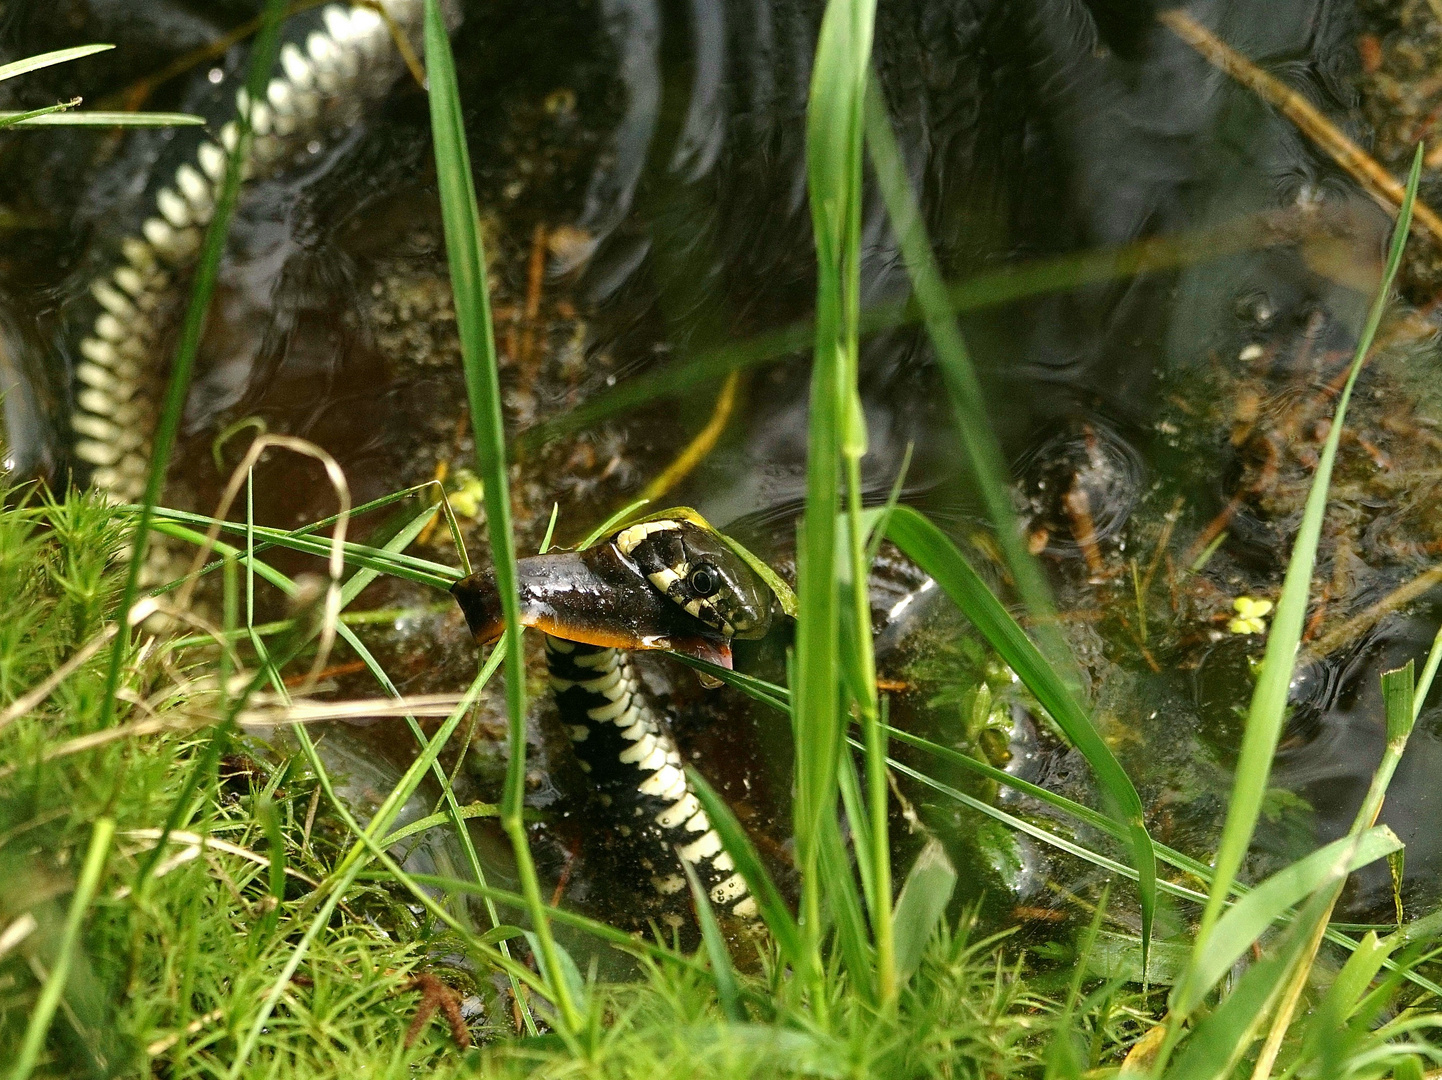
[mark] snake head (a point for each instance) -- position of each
(668, 583)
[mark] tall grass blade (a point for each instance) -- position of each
(38, 1025)
(843, 905)
(1213, 1050)
(1269, 699)
(462, 225)
(973, 425)
(1330, 1017)
(934, 552)
(833, 173)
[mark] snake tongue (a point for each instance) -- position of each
(591, 597)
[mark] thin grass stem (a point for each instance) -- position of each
(466, 256)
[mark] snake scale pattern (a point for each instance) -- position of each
(333, 64)
(631, 758)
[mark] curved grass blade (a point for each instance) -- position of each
(836, 432)
(721, 970)
(934, 552)
(1213, 1050)
(983, 451)
(49, 59)
(1421, 929)
(379, 560)
(53, 117)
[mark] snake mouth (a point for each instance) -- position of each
(594, 597)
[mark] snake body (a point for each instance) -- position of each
(667, 583)
(630, 757)
(332, 65)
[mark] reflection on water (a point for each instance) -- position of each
(641, 167)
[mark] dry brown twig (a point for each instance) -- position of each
(1362, 167)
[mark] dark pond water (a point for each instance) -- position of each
(641, 171)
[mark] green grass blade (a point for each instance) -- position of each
(15, 119)
(379, 560)
(49, 59)
(329, 895)
(1342, 997)
(1419, 930)
(973, 426)
(38, 1025)
(921, 906)
(1213, 1050)
(727, 991)
(738, 845)
(843, 904)
(1255, 913)
(52, 118)
(833, 173)
(612, 523)
(1269, 699)
(464, 252)
(934, 552)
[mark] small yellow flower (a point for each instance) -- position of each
(1251, 615)
(466, 492)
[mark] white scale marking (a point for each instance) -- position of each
(213, 161)
(627, 539)
(129, 280)
(663, 578)
(172, 208)
(640, 750)
(668, 886)
(729, 890)
(604, 660)
(704, 848)
(698, 822)
(681, 811)
(653, 761)
(112, 299)
(297, 70)
(611, 711)
(641, 727)
(667, 783)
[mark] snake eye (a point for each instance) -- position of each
(704, 580)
